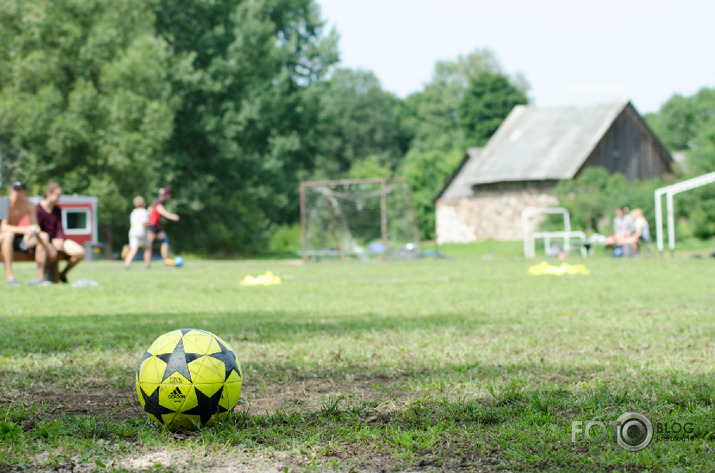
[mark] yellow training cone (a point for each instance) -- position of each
(267, 279)
(564, 268)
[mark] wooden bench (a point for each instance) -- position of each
(52, 272)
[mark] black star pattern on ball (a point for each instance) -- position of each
(152, 406)
(229, 360)
(144, 357)
(208, 406)
(178, 361)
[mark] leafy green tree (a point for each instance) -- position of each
(84, 97)
(701, 156)
(701, 209)
(681, 119)
(369, 168)
(358, 119)
(245, 134)
(688, 123)
(585, 197)
(426, 173)
(433, 115)
(487, 101)
(594, 195)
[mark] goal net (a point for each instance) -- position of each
(361, 219)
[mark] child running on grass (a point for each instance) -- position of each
(156, 211)
(138, 236)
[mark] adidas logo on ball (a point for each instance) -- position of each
(176, 394)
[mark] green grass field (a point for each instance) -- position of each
(467, 364)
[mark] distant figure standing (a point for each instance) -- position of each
(138, 235)
(156, 211)
(623, 226)
(49, 216)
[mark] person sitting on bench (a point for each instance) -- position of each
(641, 233)
(49, 215)
(22, 239)
(623, 226)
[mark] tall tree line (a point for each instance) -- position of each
(84, 96)
(231, 103)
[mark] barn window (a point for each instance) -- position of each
(75, 221)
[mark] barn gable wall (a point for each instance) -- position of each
(630, 148)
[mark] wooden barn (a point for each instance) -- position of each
(532, 150)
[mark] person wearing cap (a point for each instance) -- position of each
(23, 238)
(49, 216)
(154, 230)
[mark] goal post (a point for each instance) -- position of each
(669, 192)
(361, 219)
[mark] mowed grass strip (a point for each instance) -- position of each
(420, 365)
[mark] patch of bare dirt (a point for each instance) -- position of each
(179, 460)
(312, 393)
(119, 404)
(261, 396)
(258, 397)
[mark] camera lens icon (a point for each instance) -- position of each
(634, 431)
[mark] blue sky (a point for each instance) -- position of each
(572, 52)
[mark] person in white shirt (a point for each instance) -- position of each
(623, 227)
(137, 233)
(641, 233)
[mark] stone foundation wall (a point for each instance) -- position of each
(490, 214)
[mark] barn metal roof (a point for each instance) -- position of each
(459, 184)
(540, 144)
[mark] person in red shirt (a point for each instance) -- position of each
(49, 216)
(156, 211)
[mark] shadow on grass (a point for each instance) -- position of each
(59, 334)
(127, 333)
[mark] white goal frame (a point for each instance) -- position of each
(566, 234)
(669, 192)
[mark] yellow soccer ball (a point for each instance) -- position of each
(188, 378)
